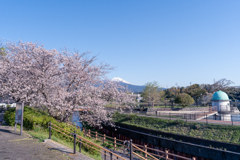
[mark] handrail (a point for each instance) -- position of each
(139, 156)
(178, 156)
(144, 152)
(159, 156)
(60, 128)
(157, 150)
(87, 142)
(99, 146)
(101, 136)
(95, 148)
(62, 133)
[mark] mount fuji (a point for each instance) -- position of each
(129, 86)
(118, 79)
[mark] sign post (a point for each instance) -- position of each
(19, 116)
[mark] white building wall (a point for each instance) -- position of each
(225, 117)
(221, 105)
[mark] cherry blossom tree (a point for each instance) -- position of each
(107, 92)
(205, 99)
(59, 81)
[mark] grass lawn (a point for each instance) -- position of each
(223, 133)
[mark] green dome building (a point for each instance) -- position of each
(221, 101)
(220, 96)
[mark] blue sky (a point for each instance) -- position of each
(171, 41)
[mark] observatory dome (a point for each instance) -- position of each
(220, 96)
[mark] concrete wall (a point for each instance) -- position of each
(199, 148)
(202, 109)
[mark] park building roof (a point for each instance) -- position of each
(220, 96)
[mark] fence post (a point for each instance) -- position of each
(105, 155)
(74, 142)
(115, 141)
(111, 157)
(166, 152)
(145, 149)
(80, 145)
(232, 119)
(96, 135)
(83, 130)
(50, 128)
(89, 133)
(206, 119)
(130, 149)
(104, 137)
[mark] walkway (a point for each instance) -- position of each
(190, 120)
(16, 147)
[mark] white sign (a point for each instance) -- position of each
(18, 114)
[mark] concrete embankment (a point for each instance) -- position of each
(188, 145)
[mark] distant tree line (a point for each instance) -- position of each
(198, 94)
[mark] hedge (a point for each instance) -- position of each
(33, 118)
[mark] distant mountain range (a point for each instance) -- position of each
(133, 88)
(129, 86)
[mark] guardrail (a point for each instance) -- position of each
(83, 141)
(230, 117)
(140, 151)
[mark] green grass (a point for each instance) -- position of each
(223, 133)
(40, 134)
(35, 123)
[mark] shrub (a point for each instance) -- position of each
(184, 99)
(33, 118)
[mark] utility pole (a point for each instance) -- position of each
(149, 98)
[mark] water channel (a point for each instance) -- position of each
(75, 119)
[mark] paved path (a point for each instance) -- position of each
(188, 120)
(52, 145)
(16, 147)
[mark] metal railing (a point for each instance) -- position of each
(232, 117)
(83, 142)
(140, 151)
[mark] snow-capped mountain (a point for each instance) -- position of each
(129, 86)
(118, 79)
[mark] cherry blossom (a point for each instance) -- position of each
(60, 82)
